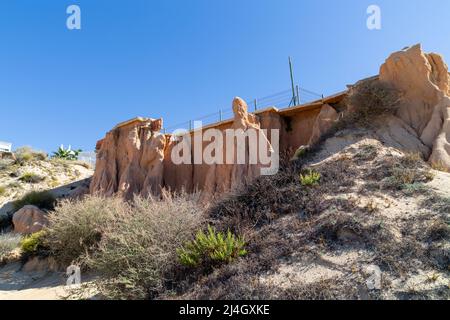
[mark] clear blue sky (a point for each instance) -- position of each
(183, 59)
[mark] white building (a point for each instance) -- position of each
(5, 146)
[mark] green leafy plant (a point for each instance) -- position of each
(310, 178)
(66, 154)
(41, 199)
(2, 190)
(211, 248)
(31, 243)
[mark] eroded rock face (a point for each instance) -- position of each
(221, 178)
(29, 219)
(324, 122)
(130, 159)
(424, 82)
(135, 158)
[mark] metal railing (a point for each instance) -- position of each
(282, 99)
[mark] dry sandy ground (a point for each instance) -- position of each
(16, 284)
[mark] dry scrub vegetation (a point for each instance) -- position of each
(132, 245)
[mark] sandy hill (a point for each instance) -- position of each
(28, 170)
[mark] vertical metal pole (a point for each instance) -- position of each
(220, 115)
(298, 95)
(190, 125)
(256, 104)
(292, 80)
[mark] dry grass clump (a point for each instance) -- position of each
(5, 164)
(26, 154)
(8, 242)
(3, 190)
(31, 177)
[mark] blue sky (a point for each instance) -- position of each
(184, 59)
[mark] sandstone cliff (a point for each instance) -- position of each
(134, 158)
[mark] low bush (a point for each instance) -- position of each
(211, 248)
(30, 177)
(42, 199)
(75, 226)
(310, 178)
(131, 244)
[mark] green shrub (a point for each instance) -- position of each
(8, 242)
(30, 244)
(310, 178)
(66, 154)
(41, 199)
(211, 248)
(30, 177)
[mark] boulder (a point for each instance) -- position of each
(29, 219)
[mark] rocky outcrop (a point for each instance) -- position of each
(135, 158)
(424, 82)
(29, 219)
(130, 159)
(226, 176)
